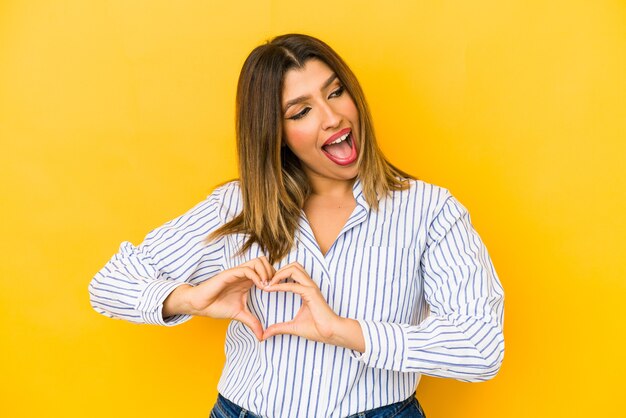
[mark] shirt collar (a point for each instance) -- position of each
(357, 191)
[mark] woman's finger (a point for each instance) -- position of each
(287, 287)
(295, 273)
(285, 272)
(268, 267)
(252, 322)
(262, 267)
(264, 264)
(281, 328)
(293, 264)
(259, 268)
(247, 272)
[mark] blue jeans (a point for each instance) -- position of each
(409, 408)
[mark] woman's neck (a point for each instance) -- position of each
(331, 188)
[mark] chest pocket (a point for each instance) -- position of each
(388, 286)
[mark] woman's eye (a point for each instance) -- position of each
(300, 114)
(337, 92)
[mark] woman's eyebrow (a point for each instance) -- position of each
(300, 99)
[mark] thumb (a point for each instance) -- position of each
(281, 328)
(252, 322)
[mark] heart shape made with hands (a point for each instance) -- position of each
(315, 320)
(230, 289)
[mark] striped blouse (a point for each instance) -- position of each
(414, 273)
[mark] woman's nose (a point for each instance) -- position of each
(330, 117)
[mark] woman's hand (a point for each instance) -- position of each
(315, 320)
(225, 294)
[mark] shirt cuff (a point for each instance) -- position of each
(385, 345)
(150, 303)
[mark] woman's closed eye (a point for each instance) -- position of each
(300, 114)
(338, 92)
(335, 93)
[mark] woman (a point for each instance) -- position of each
(346, 278)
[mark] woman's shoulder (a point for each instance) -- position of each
(427, 202)
(226, 199)
(425, 192)
(225, 188)
(424, 199)
(434, 200)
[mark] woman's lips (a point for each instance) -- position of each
(348, 159)
(337, 135)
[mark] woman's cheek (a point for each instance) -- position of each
(300, 139)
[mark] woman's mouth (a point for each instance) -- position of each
(341, 148)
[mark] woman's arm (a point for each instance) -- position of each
(177, 303)
(348, 334)
(224, 296)
(136, 281)
(462, 337)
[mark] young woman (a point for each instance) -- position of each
(346, 278)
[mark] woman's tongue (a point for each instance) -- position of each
(341, 150)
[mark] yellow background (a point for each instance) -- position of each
(116, 116)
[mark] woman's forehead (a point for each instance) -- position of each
(313, 77)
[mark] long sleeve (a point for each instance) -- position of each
(137, 279)
(462, 337)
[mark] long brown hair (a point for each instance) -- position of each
(273, 185)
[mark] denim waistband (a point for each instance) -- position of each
(232, 410)
(391, 410)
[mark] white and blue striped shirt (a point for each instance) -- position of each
(415, 274)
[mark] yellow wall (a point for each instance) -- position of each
(116, 116)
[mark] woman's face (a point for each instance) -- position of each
(320, 122)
